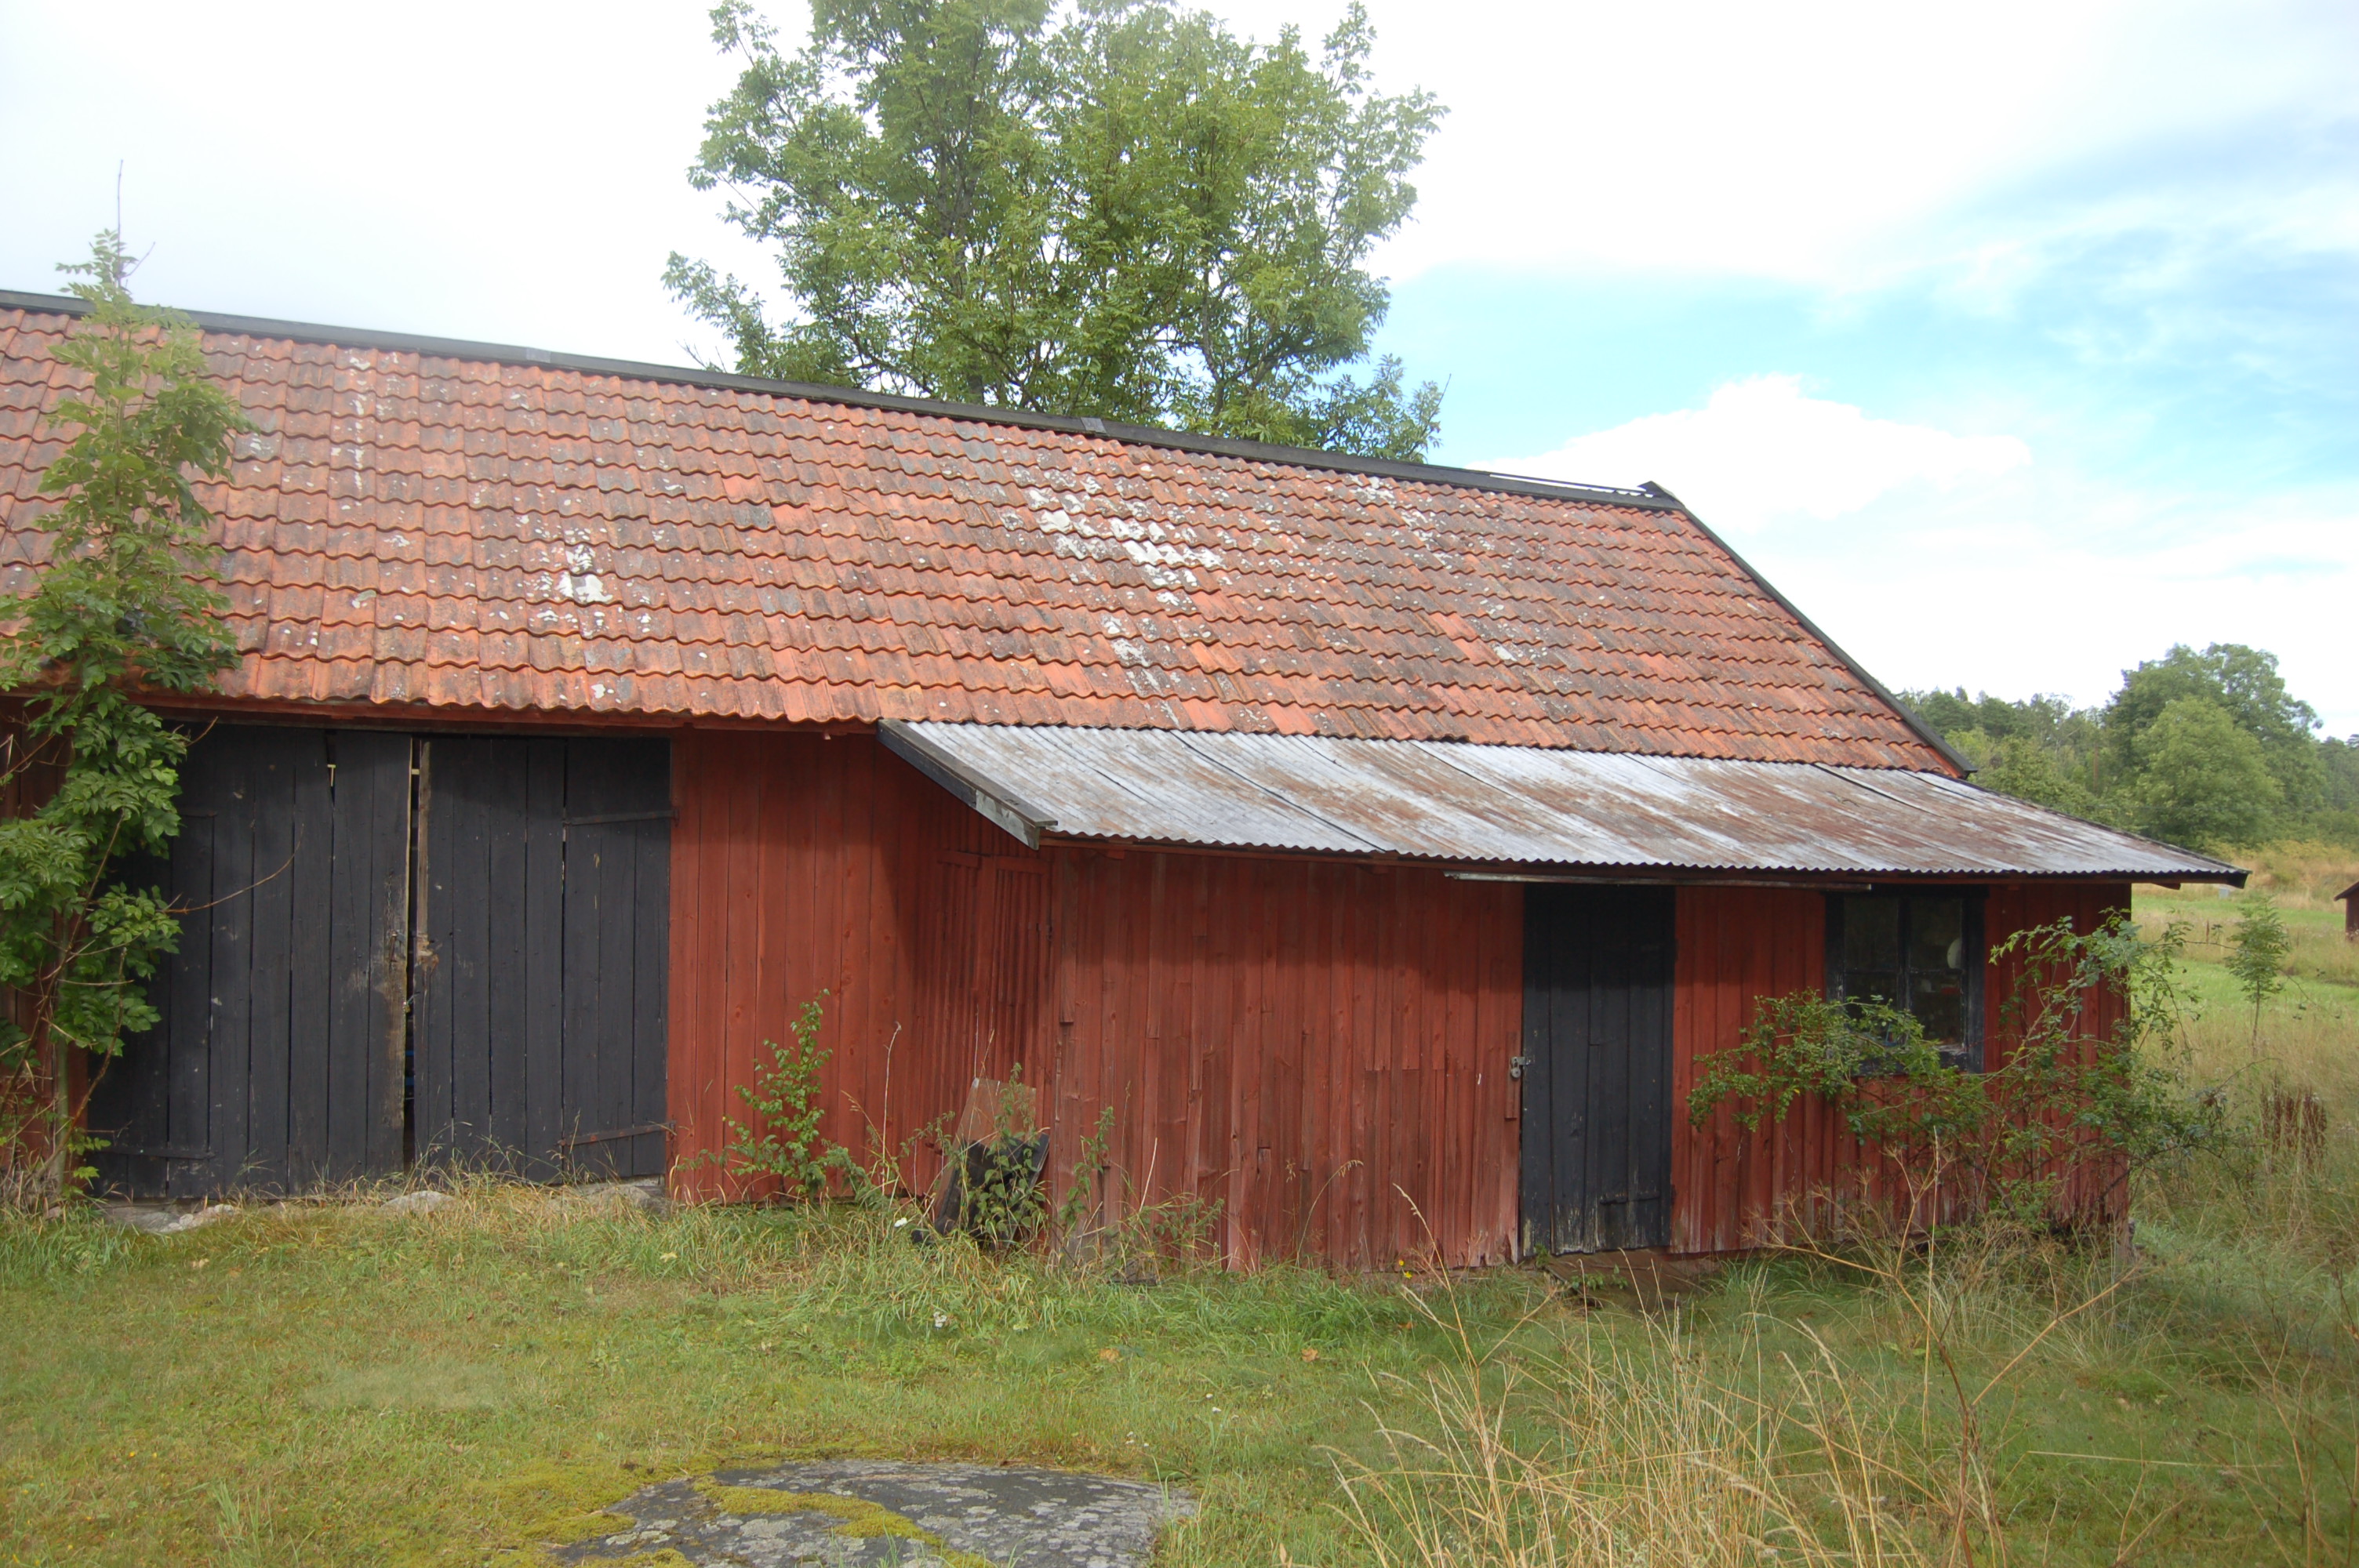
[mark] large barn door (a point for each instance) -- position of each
(1597, 1067)
(278, 1063)
(544, 945)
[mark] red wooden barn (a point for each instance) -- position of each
(1380, 844)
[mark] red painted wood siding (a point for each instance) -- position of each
(1319, 1049)
(800, 866)
(1739, 945)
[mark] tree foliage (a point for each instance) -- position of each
(2243, 684)
(1115, 209)
(2208, 748)
(123, 605)
(2201, 778)
(2258, 945)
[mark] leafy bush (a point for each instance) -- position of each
(2050, 1133)
(783, 1141)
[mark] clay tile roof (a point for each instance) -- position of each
(483, 530)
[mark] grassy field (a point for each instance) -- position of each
(327, 1384)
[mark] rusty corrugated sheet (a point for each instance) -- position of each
(1523, 806)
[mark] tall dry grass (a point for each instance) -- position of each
(1805, 1451)
(2300, 874)
(1614, 1456)
(1612, 1453)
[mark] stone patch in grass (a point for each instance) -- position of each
(868, 1511)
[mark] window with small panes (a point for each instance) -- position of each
(1921, 952)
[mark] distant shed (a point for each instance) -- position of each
(2350, 898)
(1374, 849)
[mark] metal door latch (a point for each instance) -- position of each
(1515, 1065)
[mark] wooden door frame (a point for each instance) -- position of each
(1541, 1222)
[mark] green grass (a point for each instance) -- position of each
(323, 1384)
(338, 1387)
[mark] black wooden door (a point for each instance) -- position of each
(278, 1063)
(544, 945)
(1597, 1067)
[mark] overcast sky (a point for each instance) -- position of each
(2016, 341)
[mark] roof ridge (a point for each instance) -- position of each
(1643, 499)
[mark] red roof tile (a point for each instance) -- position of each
(471, 533)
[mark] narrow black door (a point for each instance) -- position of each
(277, 1062)
(544, 918)
(1597, 1071)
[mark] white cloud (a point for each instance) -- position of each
(1762, 448)
(1939, 559)
(2057, 582)
(1834, 142)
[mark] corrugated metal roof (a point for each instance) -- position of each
(1516, 805)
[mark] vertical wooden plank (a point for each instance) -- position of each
(476, 792)
(367, 814)
(1540, 1134)
(214, 1004)
(615, 988)
(650, 989)
(616, 792)
(384, 842)
(492, 1060)
(430, 1102)
(1250, 1100)
(533, 856)
(153, 1098)
(739, 807)
(583, 1110)
(311, 954)
(177, 1111)
(1503, 1029)
(1209, 960)
(1283, 1085)
(284, 755)
(696, 968)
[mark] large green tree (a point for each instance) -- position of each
(1116, 208)
(2202, 780)
(2242, 683)
(2040, 748)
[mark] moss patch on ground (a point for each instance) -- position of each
(858, 1518)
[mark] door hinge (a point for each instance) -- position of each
(1515, 1065)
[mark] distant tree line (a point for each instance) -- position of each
(2206, 749)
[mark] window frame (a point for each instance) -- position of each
(1970, 1052)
